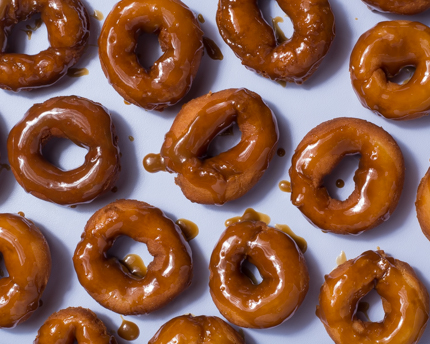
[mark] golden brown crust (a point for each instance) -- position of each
(399, 6)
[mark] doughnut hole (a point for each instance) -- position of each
(340, 182)
(3, 270)
(225, 140)
(64, 153)
(370, 308)
(251, 271)
(28, 37)
(403, 76)
(148, 49)
(274, 15)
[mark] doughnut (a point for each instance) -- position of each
(231, 174)
(28, 261)
(423, 204)
(85, 123)
(243, 28)
(109, 282)
(169, 79)
(68, 28)
(380, 54)
(282, 267)
(187, 329)
(404, 299)
(378, 179)
(74, 324)
(398, 6)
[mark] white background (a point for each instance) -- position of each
(328, 94)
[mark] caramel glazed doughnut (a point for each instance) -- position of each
(72, 324)
(422, 204)
(244, 29)
(68, 28)
(378, 179)
(171, 76)
(404, 298)
(231, 174)
(380, 54)
(85, 123)
(399, 6)
(188, 329)
(109, 282)
(282, 267)
(28, 261)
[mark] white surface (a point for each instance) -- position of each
(326, 95)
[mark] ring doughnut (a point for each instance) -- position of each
(378, 179)
(109, 282)
(282, 267)
(28, 261)
(187, 329)
(423, 204)
(398, 6)
(404, 299)
(181, 41)
(233, 173)
(68, 28)
(74, 323)
(85, 123)
(243, 28)
(380, 54)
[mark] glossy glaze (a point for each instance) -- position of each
(188, 329)
(154, 163)
(171, 76)
(280, 152)
(380, 54)
(98, 15)
(422, 204)
(28, 261)
(399, 6)
(404, 298)
(378, 179)
(128, 330)
(249, 215)
(340, 183)
(135, 265)
(77, 72)
(231, 174)
(85, 123)
(200, 18)
(112, 286)
(68, 30)
(212, 49)
(189, 228)
(282, 266)
(253, 40)
(285, 186)
(74, 324)
(279, 34)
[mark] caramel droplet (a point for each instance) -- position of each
(73, 206)
(280, 36)
(135, 265)
(190, 229)
(114, 189)
(285, 186)
(126, 102)
(128, 330)
(212, 49)
(340, 183)
(280, 152)
(341, 258)
(248, 273)
(77, 72)
(20, 213)
(301, 242)
(4, 167)
(363, 307)
(153, 163)
(249, 215)
(98, 15)
(201, 18)
(29, 33)
(283, 83)
(131, 138)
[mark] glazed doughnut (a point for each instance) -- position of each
(404, 299)
(398, 6)
(233, 173)
(423, 204)
(68, 28)
(85, 123)
(181, 40)
(380, 54)
(188, 329)
(282, 267)
(378, 179)
(109, 282)
(74, 323)
(28, 261)
(243, 28)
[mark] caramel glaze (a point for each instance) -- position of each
(20, 213)
(170, 78)
(380, 54)
(70, 324)
(378, 179)
(285, 278)
(200, 18)
(188, 329)
(285, 186)
(98, 15)
(422, 204)
(116, 289)
(30, 29)
(253, 40)
(301, 242)
(341, 258)
(77, 72)
(128, 330)
(399, 6)
(249, 215)
(85, 123)
(28, 261)
(404, 298)
(279, 34)
(68, 31)
(4, 167)
(135, 265)
(214, 52)
(154, 163)
(340, 183)
(280, 152)
(189, 228)
(230, 174)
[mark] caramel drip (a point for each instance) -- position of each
(340, 183)
(98, 15)
(241, 332)
(190, 229)
(285, 186)
(20, 213)
(73, 206)
(153, 163)
(201, 18)
(280, 36)
(280, 152)
(77, 72)
(363, 307)
(29, 33)
(249, 215)
(4, 167)
(38, 23)
(248, 273)
(341, 258)
(128, 330)
(126, 102)
(135, 265)
(212, 49)
(40, 303)
(131, 138)
(301, 242)
(283, 83)
(114, 189)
